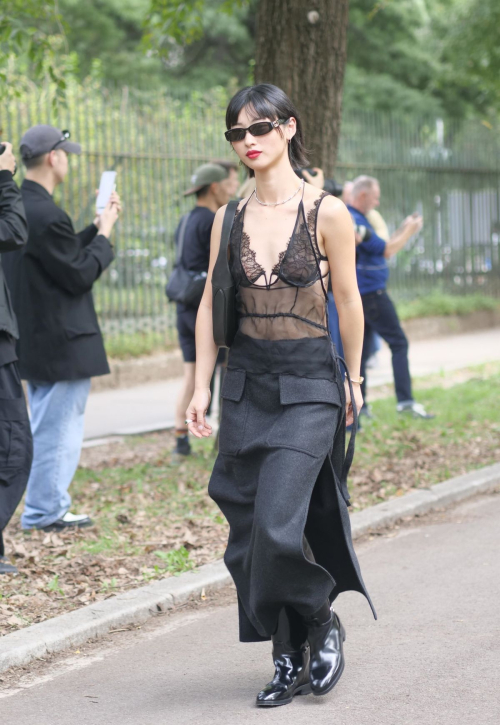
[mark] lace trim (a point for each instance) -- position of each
(301, 263)
(312, 218)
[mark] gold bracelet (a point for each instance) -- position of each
(358, 382)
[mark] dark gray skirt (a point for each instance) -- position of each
(277, 480)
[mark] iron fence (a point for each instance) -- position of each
(447, 171)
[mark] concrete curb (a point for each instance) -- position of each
(138, 605)
(424, 500)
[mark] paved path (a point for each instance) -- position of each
(432, 658)
(152, 406)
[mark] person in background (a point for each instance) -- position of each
(373, 274)
(61, 346)
(16, 446)
(232, 182)
(213, 186)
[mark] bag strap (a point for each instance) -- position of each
(349, 453)
(182, 234)
(222, 275)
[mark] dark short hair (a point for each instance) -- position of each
(203, 191)
(268, 101)
(34, 161)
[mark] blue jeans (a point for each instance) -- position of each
(57, 417)
(381, 317)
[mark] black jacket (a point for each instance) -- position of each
(13, 235)
(51, 281)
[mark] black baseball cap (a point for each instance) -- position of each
(42, 138)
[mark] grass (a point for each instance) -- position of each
(139, 344)
(155, 495)
(441, 304)
(153, 517)
(396, 453)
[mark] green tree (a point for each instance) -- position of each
(471, 51)
(296, 48)
(25, 45)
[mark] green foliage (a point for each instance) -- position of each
(396, 55)
(110, 33)
(182, 22)
(439, 57)
(26, 46)
(438, 303)
(138, 344)
(54, 586)
(176, 561)
(209, 46)
(472, 50)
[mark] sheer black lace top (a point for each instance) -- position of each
(290, 303)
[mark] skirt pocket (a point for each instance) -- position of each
(309, 417)
(234, 412)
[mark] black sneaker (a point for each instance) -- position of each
(6, 567)
(182, 446)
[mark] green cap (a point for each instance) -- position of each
(205, 175)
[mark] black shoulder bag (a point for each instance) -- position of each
(224, 318)
(185, 285)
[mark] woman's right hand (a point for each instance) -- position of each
(358, 400)
(196, 414)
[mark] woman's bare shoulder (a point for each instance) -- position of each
(334, 222)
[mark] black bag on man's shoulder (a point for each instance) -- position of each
(185, 285)
(224, 318)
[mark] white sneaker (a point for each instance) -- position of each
(417, 410)
(74, 519)
(68, 521)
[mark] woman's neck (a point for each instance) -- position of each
(277, 183)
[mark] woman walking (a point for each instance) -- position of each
(280, 477)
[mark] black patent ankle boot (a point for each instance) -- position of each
(291, 660)
(326, 642)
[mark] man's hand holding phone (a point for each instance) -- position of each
(107, 219)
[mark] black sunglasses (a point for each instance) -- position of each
(256, 129)
(65, 136)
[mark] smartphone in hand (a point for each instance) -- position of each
(106, 188)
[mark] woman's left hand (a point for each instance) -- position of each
(358, 401)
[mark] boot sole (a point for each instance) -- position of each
(338, 674)
(302, 690)
(70, 527)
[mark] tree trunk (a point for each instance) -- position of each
(301, 47)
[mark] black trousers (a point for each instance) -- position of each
(16, 445)
(381, 317)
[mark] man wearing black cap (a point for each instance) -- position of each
(213, 186)
(60, 346)
(16, 448)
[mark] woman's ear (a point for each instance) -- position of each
(291, 128)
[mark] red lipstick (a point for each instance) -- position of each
(253, 154)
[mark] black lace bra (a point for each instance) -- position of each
(291, 302)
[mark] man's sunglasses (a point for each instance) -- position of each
(64, 137)
(256, 129)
